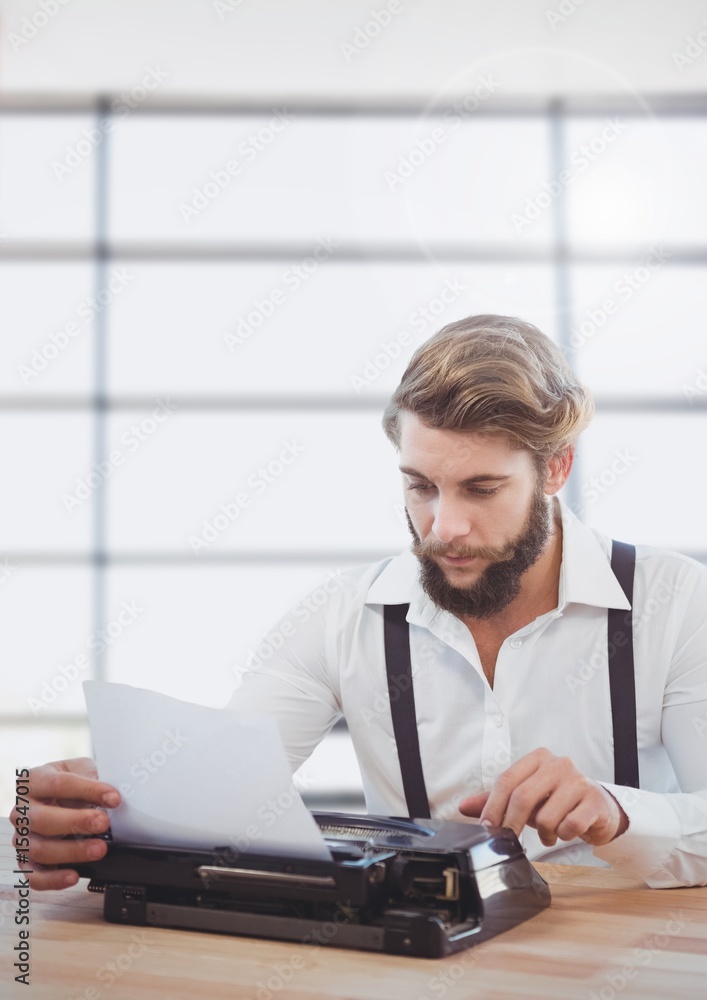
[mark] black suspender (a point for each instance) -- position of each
(396, 637)
(622, 681)
(402, 707)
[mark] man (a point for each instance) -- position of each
(507, 596)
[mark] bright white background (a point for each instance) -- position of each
(297, 376)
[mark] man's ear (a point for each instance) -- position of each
(558, 469)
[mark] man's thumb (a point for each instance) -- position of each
(473, 805)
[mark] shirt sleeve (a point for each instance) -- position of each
(666, 840)
(289, 675)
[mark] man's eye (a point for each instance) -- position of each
(420, 487)
(482, 491)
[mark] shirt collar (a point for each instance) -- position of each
(398, 583)
(586, 576)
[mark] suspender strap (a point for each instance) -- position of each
(622, 681)
(402, 707)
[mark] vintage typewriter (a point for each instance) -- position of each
(419, 887)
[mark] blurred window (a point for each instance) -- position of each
(205, 314)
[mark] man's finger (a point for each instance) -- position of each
(525, 799)
(53, 878)
(597, 824)
(41, 878)
(506, 784)
(63, 786)
(56, 851)
(55, 821)
(550, 815)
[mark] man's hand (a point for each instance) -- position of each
(552, 795)
(60, 794)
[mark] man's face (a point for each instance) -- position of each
(478, 514)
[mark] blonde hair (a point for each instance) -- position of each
(495, 374)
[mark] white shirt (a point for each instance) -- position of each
(551, 689)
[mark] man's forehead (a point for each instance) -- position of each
(418, 438)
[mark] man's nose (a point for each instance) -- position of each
(451, 520)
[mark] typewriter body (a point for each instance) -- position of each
(424, 887)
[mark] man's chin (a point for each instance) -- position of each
(466, 571)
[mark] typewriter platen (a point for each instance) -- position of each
(424, 887)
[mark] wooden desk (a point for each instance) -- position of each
(604, 936)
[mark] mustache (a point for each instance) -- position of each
(432, 549)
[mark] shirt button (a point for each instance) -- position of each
(515, 643)
(498, 720)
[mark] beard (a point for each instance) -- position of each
(500, 582)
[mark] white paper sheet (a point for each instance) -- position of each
(192, 776)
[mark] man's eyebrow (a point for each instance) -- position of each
(484, 478)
